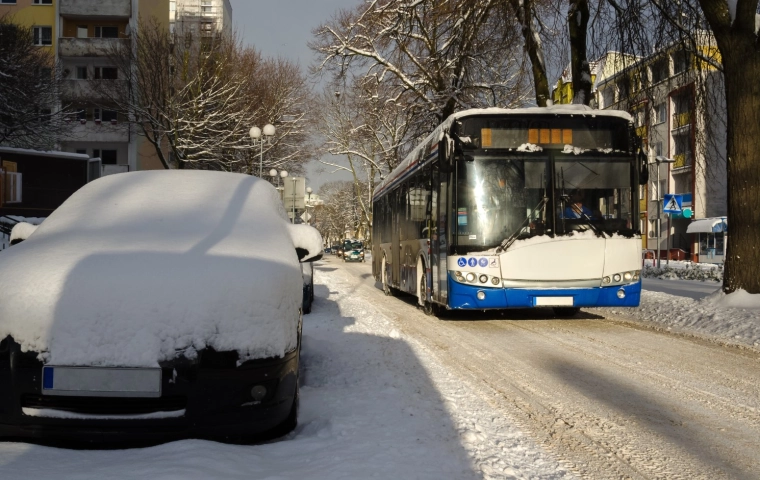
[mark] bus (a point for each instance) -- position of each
(515, 208)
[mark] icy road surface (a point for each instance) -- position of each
(391, 393)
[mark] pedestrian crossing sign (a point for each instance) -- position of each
(672, 203)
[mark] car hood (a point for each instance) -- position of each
(200, 262)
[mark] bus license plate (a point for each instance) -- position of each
(553, 301)
(101, 381)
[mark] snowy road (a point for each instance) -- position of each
(610, 399)
(682, 288)
(391, 393)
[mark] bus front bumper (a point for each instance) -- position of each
(465, 297)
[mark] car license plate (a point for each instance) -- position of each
(101, 381)
(553, 301)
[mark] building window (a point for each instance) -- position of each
(41, 2)
(660, 113)
(43, 36)
(81, 73)
(107, 32)
(82, 151)
(660, 70)
(108, 157)
(82, 31)
(8, 1)
(681, 61)
(105, 115)
(106, 73)
(658, 149)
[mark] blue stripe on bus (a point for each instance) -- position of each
(465, 296)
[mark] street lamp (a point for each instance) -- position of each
(277, 175)
(657, 161)
(257, 139)
(308, 204)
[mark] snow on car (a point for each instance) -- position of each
(167, 300)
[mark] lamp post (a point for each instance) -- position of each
(277, 175)
(293, 220)
(308, 204)
(657, 161)
(257, 139)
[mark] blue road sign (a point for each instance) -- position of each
(672, 203)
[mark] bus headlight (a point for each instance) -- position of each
(606, 280)
(481, 295)
(470, 277)
(483, 278)
(621, 294)
(459, 276)
(616, 277)
(636, 275)
(627, 276)
(495, 281)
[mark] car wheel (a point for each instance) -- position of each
(566, 311)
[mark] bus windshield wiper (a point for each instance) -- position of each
(511, 239)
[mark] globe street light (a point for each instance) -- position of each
(277, 175)
(257, 139)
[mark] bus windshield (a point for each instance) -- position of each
(513, 196)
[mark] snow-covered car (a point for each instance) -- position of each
(152, 306)
(353, 256)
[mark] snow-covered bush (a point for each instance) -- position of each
(687, 271)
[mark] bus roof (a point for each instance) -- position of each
(427, 150)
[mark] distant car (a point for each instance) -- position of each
(328, 250)
(353, 256)
(152, 306)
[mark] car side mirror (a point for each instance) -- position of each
(307, 240)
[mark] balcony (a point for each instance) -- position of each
(90, 47)
(85, 90)
(682, 160)
(681, 120)
(97, 131)
(96, 8)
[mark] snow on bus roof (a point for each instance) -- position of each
(412, 161)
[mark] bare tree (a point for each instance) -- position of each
(29, 84)
(437, 57)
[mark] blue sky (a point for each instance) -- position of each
(282, 28)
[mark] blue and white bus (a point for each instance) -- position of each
(515, 208)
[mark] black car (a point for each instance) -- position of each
(166, 305)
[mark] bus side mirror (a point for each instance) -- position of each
(643, 170)
(444, 156)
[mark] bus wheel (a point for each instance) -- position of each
(386, 286)
(566, 311)
(428, 307)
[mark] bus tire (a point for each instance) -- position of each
(566, 311)
(386, 286)
(429, 308)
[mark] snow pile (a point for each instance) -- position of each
(733, 318)
(684, 271)
(529, 147)
(139, 267)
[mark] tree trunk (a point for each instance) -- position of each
(739, 47)
(742, 71)
(523, 10)
(577, 23)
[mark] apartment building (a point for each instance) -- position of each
(207, 17)
(678, 104)
(81, 33)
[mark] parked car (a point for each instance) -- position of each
(152, 306)
(353, 256)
